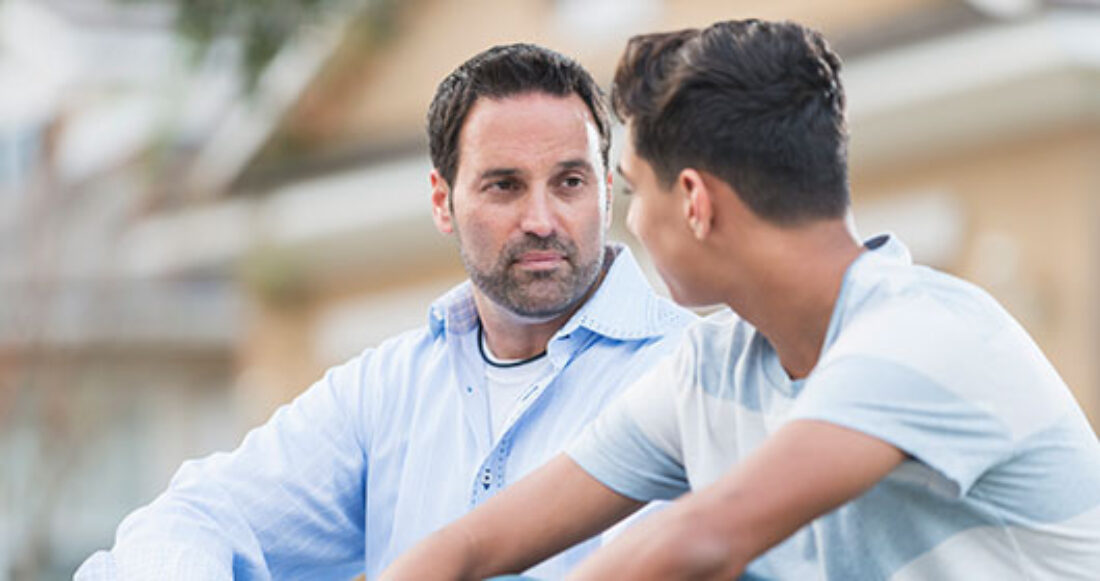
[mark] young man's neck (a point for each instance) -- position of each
(791, 289)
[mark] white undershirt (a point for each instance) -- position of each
(506, 382)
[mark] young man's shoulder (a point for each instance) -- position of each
(920, 312)
(939, 334)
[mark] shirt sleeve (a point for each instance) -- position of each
(633, 446)
(288, 503)
(957, 436)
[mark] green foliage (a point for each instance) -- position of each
(264, 26)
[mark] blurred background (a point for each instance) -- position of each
(205, 203)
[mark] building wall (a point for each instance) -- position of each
(91, 434)
(385, 97)
(290, 345)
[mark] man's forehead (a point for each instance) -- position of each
(495, 112)
(528, 129)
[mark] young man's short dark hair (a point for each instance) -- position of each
(757, 104)
(504, 71)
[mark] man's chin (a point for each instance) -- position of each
(549, 303)
(542, 308)
(525, 274)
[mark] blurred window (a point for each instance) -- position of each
(18, 148)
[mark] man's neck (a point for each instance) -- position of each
(513, 336)
(790, 293)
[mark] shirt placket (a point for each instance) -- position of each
(491, 476)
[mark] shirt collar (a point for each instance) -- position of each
(623, 307)
(887, 247)
(881, 249)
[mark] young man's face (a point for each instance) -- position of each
(657, 218)
(530, 202)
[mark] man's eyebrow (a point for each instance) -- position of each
(576, 164)
(499, 172)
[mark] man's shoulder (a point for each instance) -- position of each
(409, 347)
(709, 345)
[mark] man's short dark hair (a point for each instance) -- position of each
(757, 104)
(505, 71)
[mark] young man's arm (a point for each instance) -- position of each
(545, 513)
(804, 470)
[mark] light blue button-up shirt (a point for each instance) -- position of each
(390, 446)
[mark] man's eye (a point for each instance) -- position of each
(573, 182)
(502, 185)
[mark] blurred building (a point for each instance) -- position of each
(108, 376)
(213, 269)
(975, 131)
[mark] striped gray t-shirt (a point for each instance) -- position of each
(1003, 476)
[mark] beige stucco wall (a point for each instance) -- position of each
(385, 97)
(281, 355)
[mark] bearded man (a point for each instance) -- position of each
(410, 435)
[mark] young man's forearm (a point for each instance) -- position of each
(567, 504)
(670, 545)
(448, 553)
(803, 471)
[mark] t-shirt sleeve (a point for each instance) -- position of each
(957, 436)
(633, 446)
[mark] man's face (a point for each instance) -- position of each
(530, 202)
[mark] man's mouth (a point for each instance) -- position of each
(540, 260)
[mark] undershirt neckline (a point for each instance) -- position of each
(487, 355)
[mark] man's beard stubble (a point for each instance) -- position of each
(537, 294)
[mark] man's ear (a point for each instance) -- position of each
(441, 205)
(608, 202)
(698, 209)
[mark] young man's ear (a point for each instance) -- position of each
(698, 209)
(441, 203)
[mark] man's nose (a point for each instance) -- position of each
(538, 214)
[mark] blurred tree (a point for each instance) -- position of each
(263, 27)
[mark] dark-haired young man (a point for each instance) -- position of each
(407, 437)
(853, 417)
